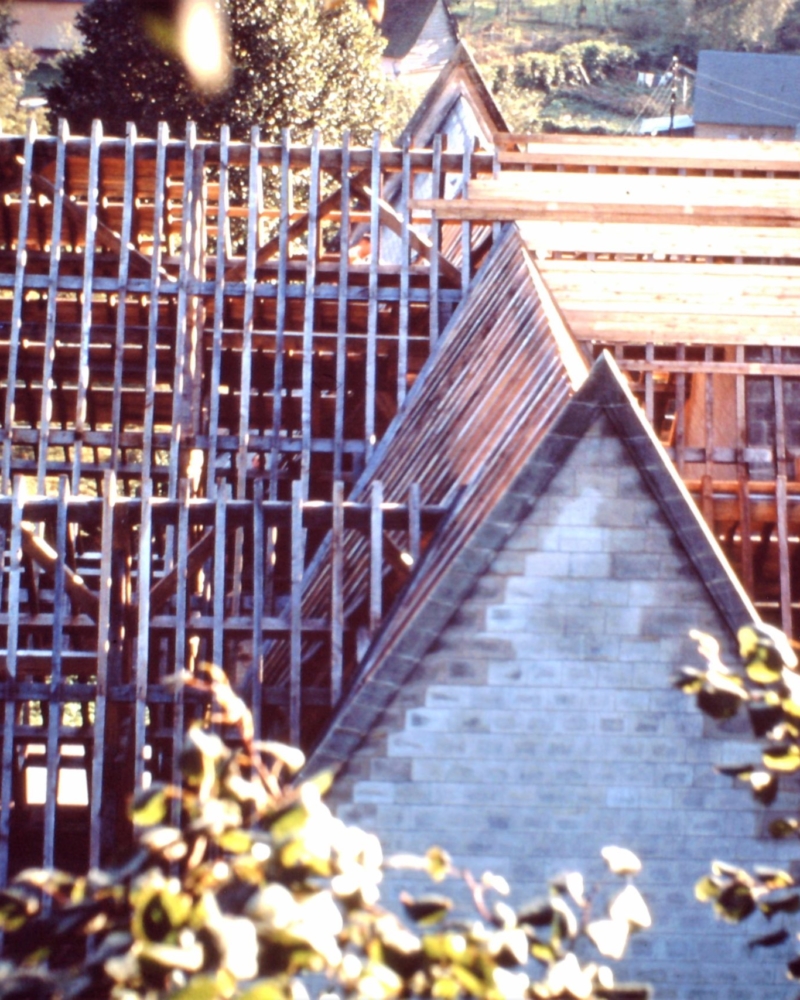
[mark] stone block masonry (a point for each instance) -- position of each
(542, 727)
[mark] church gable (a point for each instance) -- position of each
(541, 726)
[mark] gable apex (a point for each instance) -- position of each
(394, 654)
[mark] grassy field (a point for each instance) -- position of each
(504, 34)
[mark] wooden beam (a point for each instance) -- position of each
(635, 152)
(162, 591)
(393, 221)
(139, 264)
(327, 204)
(82, 598)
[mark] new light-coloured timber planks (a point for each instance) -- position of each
(617, 197)
(635, 151)
(719, 303)
(642, 327)
(545, 236)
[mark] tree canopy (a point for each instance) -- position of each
(295, 64)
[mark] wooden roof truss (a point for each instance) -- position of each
(232, 419)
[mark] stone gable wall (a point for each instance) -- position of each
(543, 727)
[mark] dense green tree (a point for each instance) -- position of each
(788, 34)
(16, 63)
(294, 63)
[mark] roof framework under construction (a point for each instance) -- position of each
(243, 384)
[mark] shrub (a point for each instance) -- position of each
(245, 886)
(767, 687)
(591, 61)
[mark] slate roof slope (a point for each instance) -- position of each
(497, 378)
(403, 20)
(481, 522)
(747, 88)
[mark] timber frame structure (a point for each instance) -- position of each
(230, 429)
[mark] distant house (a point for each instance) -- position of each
(421, 36)
(744, 95)
(46, 25)
(458, 105)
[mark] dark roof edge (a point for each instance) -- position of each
(677, 504)
(391, 661)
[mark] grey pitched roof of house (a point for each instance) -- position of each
(451, 566)
(403, 20)
(747, 88)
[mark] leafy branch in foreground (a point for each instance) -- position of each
(767, 687)
(246, 886)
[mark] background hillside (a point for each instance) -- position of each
(574, 65)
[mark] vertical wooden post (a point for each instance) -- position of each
(122, 291)
(218, 641)
(781, 500)
(341, 316)
(52, 306)
(433, 292)
(181, 374)
(246, 374)
(219, 312)
(309, 316)
(256, 701)
(86, 304)
(181, 614)
(649, 394)
(497, 169)
(372, 311)
(376, 558)
(680, 413)
(54, 715)
(337, 591)
(296, 610)
(16, 307)
(403, 316)
(466, 226)
(159, 197)
(103, 802)
(10, 706)
(280, 323)
(745, 521)
(414, 533)
(142, 665)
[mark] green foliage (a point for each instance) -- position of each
(294, 65)
(245, 886)
(16, 63)
(7, 22)
(767, 688)
(591, 61)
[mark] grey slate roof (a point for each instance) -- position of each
(403, 20)
(747, 88)
(436, 590)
